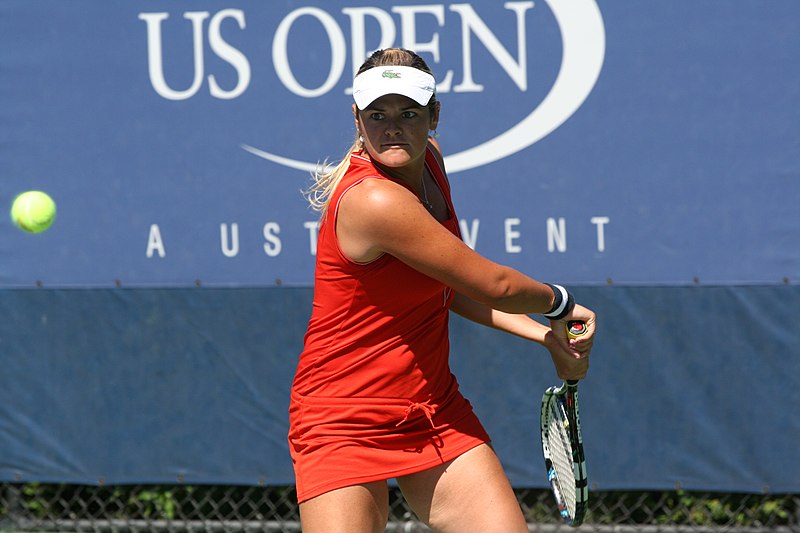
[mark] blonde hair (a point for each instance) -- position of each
(327, 178)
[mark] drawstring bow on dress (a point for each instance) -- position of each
(427, 409)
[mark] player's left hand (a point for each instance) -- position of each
(568, 365)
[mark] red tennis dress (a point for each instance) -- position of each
(373, 397)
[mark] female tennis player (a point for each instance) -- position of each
(373, 397)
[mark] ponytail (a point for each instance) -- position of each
(327, 177)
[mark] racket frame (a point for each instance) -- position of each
(566, 398)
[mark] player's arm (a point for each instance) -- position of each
(513, 323)
(569, 359)
(380, 216)
(517, 324)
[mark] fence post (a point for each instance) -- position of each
(12, 503)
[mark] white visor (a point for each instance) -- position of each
(380, 81)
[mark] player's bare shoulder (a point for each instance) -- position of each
(370, 214)
(376, 200)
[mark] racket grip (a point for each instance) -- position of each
(575, 328)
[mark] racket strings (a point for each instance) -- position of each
(561, 455)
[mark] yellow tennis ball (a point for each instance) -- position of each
(33, 211)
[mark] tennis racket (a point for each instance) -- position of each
(562, 445)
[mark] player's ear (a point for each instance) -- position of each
(435, 115)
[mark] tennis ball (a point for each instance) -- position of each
(33, 211)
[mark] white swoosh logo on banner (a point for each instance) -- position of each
(583, 42)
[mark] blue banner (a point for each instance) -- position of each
(587, 142)
(192, 386)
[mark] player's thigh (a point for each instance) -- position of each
(469, 494)
(357, 509)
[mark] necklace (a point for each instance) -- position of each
(424, 198)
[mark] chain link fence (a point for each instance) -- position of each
(182, 508)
